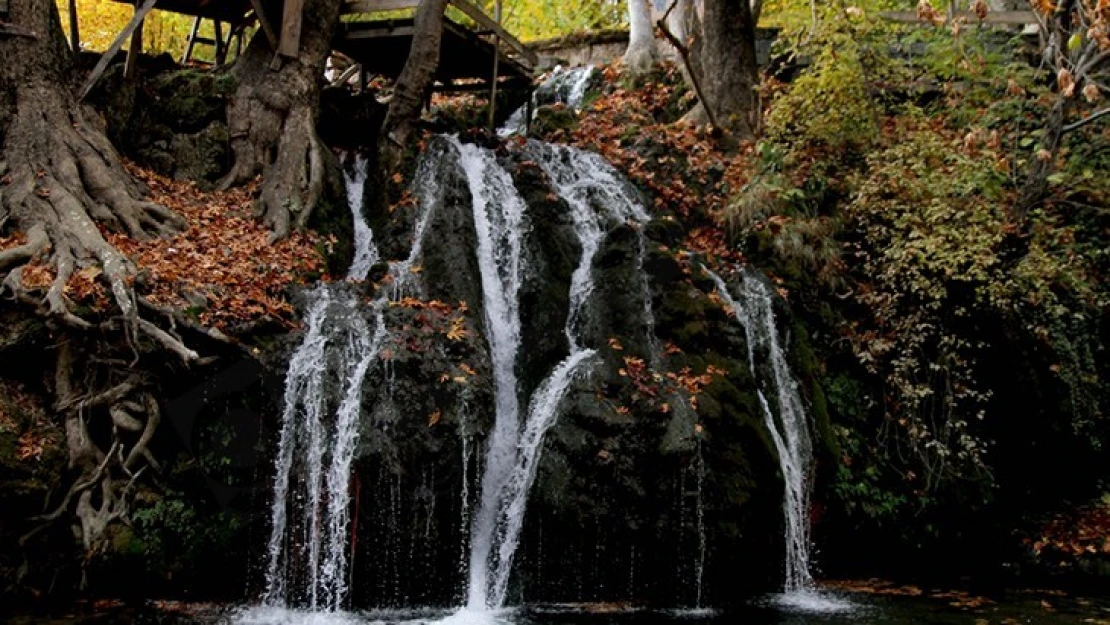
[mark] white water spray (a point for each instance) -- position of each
(307, 553)
(790, 432)
(598, 201)
(567, 86)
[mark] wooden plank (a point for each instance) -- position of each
(74, 33)
(1012, 18)
(264, 22)
(113, 49)
(289, 45)
(486, 22)
(496, 59)
(382, 31)
(377, 6)
(346, 75)
(190, 41)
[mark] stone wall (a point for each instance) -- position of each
(601, 47)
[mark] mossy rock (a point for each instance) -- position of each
(551, 119)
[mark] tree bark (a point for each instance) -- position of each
(272, 120)
(61, 182)
(727, 63)
(414, 83)
(60, 177)
(640, 56)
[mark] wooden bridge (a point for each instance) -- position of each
(476, 52)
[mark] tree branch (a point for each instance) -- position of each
(1086, 120)
(684, 53)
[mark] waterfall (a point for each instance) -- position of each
(309, 542)
(307, 552)
(514, 448)
(366, 253)
(790, 432)
(565, 86)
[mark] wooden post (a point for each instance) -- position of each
(134, 50)
(74, 33)
(289, 42)
(221, 49)
(496, 61)
(113, 49)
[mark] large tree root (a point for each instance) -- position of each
(61, 182)
(60, 179)
(104, 480)
(272, 120)
(295, 175)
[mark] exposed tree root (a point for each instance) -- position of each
(272, 119)
(60, 183)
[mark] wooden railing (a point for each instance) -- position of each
(484, 22)
(1012, 18)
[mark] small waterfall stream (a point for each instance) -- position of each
(789, 430)
(319, 438)
(308, 549)
(565, 85)
(585, 182)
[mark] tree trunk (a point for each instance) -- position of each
(640, 56)
(729, 73)
(414, 83)
(272, 120)
(60, 177)
(61, 181)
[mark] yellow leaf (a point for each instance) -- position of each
(90, 273)
(434, 418)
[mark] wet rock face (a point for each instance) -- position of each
(638, 494)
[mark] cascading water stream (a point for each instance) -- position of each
(565, 86)
(499, 222)
(366, 253)
(585, 182)
(307, 555)
(323, 438)
(790, 432)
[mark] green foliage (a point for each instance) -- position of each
(885, 177)
(543, 19)
(775, 217)
(174, 535)
(829, 104)
(163, 32)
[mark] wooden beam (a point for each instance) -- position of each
(190, 41)
(496, 60)
(382, 31)
(133, 52)
(74, 33)
(377, 6)
(289, 45)
(264, 22)
(113, 49)
(1012, 18)
(346, 75)
(486, 22)
(218, 41)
